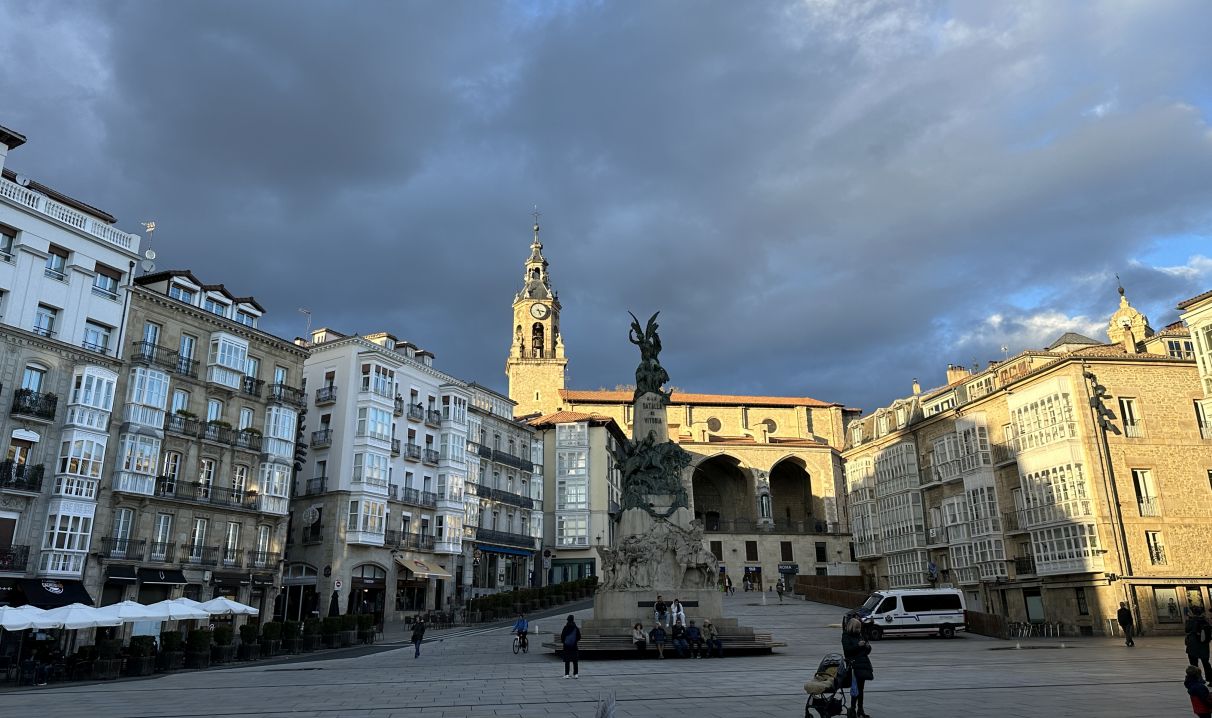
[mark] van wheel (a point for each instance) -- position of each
(946, 631)
(875, 633)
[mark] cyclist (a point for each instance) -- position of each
(520, 627)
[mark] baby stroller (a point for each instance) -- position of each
(828, 688)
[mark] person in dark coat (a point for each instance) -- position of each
(857, 652)
(1199, 633)
(418, 635)
(1124, 616)
(570, 637)
(1201, 702)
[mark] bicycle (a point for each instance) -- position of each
(520, 643)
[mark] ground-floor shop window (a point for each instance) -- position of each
(1165, 602)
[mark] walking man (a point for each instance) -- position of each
(780, 587)
(1124, 616)
(1199, 634)
(418, 635)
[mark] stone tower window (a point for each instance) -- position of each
(536, 340)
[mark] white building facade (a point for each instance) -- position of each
(379, 504)
(64, 274)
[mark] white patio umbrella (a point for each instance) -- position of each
(77, 615)
(223, 606)
(181, 609)
(131, 611)
(19, 618)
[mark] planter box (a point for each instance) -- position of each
(170, 661)
(248, 651)
(348, 638)
(307, 644)
(366, 636)
(222, 654)
(107, 669)
(332, 640)
(143, 666)
(197, 660)
(271, 648)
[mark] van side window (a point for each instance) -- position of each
(931, 602)
(889, 604)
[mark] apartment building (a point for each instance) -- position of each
(197, 499)
(64, 274)
(379, 504)
(1000, 482)
(503, 526)
(580, 473)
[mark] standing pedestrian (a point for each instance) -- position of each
(1124, 616)
(1201, 703)
(780, 587)
(418, 635)
(570, 637)
(857, 652)
(1199, 633)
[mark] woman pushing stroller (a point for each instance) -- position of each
(857, 652)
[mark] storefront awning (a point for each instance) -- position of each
(120, 573)
(48, 593)
(165, 576)
(503, 549)
(420, 568)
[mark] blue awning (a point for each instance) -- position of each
(504, 550)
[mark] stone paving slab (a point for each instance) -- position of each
(473, 672)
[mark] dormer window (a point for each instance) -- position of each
(216, 307)
(181, 294)
(248, 320)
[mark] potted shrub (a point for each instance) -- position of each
(172, 653)
(349, 629)
(271, 639)
(109, 660)
(141, 656)
(331, 629)
(197, 649)
(249, 649)
(223, 650)
(311, 635)
(292, 638)
(366, 628)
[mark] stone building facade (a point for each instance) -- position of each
(503, 526)
(379, 504)
(766, 473)
(196, 499)
(999, 483)
(64, 274)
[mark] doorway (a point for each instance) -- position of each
(1035, 605)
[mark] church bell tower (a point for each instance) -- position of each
(536, 362)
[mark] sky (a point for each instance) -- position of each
(822, 198)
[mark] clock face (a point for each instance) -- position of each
(538, 311)
(311, 516)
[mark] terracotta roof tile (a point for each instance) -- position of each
(568, 417)
(679, 397)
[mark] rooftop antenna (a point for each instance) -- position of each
(304, 310)
(1120, 283)
(148, 265)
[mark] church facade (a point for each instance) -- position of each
(766, 475)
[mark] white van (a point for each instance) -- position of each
(914, 610)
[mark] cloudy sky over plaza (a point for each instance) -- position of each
(822, 198)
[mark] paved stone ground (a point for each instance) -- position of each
(472, 672)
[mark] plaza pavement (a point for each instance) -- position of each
(472, 672)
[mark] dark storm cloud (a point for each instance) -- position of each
(822, 198)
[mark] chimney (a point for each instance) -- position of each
(917, 388)
(1129, 339)
(955, 372)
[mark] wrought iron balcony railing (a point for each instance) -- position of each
(326, 395)
(21, 477)
(321, 438)
(416, 412)
(14, 558)
(286, 394)
(34, 405)
(198, 555)
(504, 537)
(122, 548)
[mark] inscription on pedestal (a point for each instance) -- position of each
(650, 417)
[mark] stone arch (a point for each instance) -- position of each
(795, 506)
(536, 340)
(724, 498)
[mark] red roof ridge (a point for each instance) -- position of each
(681, 397)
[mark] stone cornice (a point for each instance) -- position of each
(222, 323)
(20, 337)
(395, 356)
